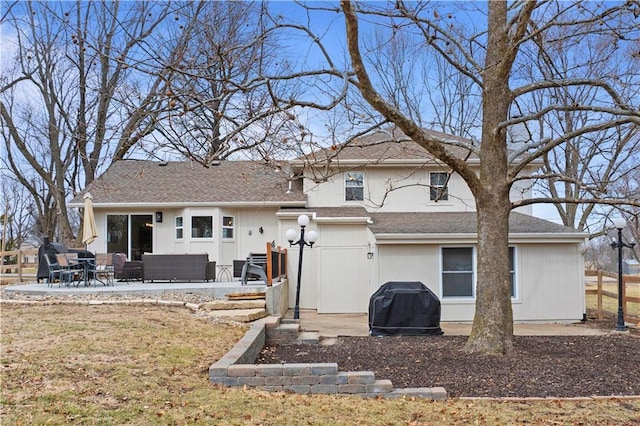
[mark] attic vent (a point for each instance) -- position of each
(162, 163)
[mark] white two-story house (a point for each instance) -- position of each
(384, 210)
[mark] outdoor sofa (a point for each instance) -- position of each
(178, 267)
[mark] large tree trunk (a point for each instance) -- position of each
(492, 330)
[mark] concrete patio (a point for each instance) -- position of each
(328, 325)
(217, 289)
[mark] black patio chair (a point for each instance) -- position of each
(57, 272)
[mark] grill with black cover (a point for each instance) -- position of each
(404, 308)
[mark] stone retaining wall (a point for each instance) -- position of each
(236, 368)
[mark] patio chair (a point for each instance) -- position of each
(103, 269)
(126, 270)
(70, 262)
(255, 265)
(57, 272)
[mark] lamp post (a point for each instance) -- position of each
(312, 236)
(620, 224)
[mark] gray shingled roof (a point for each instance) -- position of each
(457, 223)
(388, 145)
(162, 183)
(436, 223)
(330, 211)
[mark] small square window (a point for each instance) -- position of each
(354, 186)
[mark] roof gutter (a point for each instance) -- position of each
(442, 238)
(196, 204)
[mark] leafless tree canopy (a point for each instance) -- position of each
(94, 82)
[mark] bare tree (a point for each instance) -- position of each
(219, 101)
(511, 34)
(96, 82)
(628, 187)
(15, 215)
(584, 167)
(62, 103)
(485, 45)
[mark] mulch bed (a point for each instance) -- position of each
(541, 366)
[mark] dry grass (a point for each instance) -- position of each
(118, 365)
(610, 304)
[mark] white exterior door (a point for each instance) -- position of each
(343, 271)
(345, 280)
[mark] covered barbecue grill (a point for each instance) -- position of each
(51, 249)
(404, 308)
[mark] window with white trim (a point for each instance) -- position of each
(354, 186)
(458, 272)
(458, 275)
(179, 228)
(438, 186)
(201, 227)
(228, 225)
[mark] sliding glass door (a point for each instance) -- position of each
(130, 234)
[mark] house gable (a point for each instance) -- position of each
(396, 174)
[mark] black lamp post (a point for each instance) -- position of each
(312, 236)
(620, 224)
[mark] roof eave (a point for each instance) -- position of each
(293, 214)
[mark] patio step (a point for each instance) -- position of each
(245, 296)
(233, 304)
(239, 315)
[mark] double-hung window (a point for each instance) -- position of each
(227, 227)
(512, 270)
(354, 186)
(179, 228)
(438, 186)
(458, 275)
(458, 272)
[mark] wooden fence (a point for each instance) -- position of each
(13, 268)
(601, 293)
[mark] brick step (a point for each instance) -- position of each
(308, 338)
(233, 304)
(283, 334)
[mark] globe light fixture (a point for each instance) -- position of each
(312, 237)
